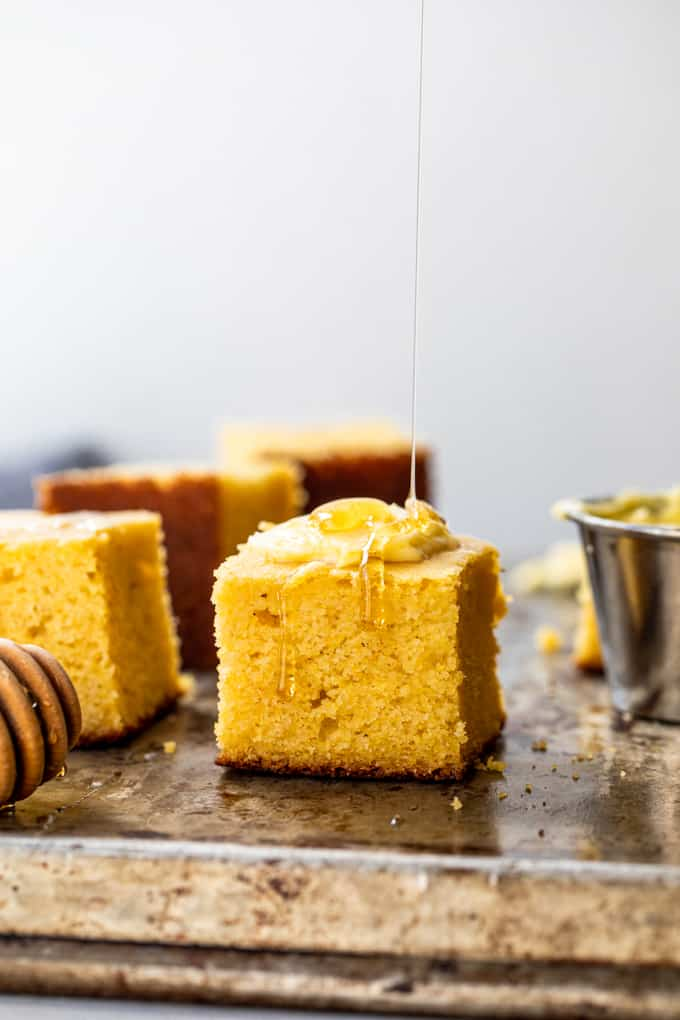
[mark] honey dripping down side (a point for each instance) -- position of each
(358, 535)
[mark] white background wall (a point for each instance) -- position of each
(207, 211)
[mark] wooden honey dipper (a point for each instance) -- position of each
(40, 719)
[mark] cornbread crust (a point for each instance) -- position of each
(205, 515)
(356, 459)
(418, 697)
(122, 735)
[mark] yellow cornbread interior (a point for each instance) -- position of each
(308, 684)
(250, 495)
(91, 589)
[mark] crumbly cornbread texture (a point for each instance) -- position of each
(307, 684)
(91, 589)
(206, 514)
(587, 647)
(355, 459)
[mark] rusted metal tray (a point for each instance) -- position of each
(155, 874)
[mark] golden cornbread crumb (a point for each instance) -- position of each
(169, 746)
(456, 804)
(548, 640)
(306, 684)
(529, 788)
(91, 588)
(490, 765)
(539, 745)
(187, 684)
(502, 795)
(587, 649)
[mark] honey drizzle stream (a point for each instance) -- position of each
(286, 686)
(410, 502)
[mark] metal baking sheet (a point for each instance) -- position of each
(576, 872)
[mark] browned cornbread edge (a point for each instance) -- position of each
(385, 476)
(189, 508)
(435, 775)
(114, 737)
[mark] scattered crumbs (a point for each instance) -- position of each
(553, 768)
(590, 756)
(170, 746)
(578, 758)
(395, 821)
(149, 756)
(541, 833)
(533, 768)
(187, 684)
(502, 795)
(576, 777)
(456, 803)
(539, 745)
(529, 788)
(622, 773)
(548, 641)
(490, 765)
(588, 851)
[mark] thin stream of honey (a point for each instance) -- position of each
(411, 501)
(287, 667)
(373, 602)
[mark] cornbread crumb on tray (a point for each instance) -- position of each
(169, 746)
(548, 640)
(92, 589)
(539, 745)
(457, 804)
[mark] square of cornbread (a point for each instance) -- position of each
(206, 513)
(306, 685)
(91, 589)
(362, 458)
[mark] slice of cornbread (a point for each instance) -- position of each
(91, 589)
(368, 668)
(355, 459)
(206, 514)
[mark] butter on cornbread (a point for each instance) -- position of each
(360, 458)
(91, 588)
(206, 513)
(359, 640)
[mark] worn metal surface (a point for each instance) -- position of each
(579, 863)
(382, 983)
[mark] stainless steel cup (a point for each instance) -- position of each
(634, 572)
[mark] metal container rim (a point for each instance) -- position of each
(576, 510)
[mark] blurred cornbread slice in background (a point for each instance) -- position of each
(388, 669)
(355, 459)
(91, 588)
(206, 514)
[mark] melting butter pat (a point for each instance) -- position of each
(350, 532)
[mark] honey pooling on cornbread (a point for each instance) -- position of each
(315, 677)
(40, 719)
